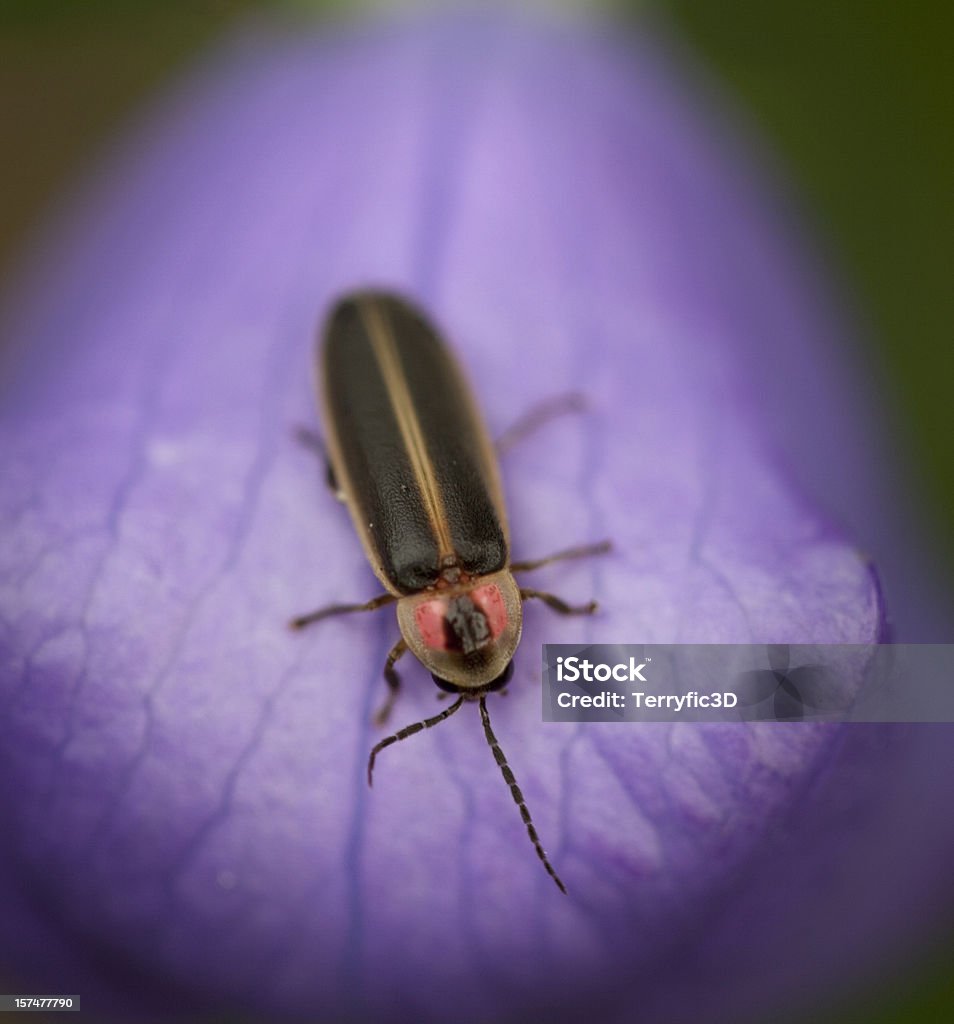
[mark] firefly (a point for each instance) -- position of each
(409, 455)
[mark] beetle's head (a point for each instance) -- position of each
(465, 634)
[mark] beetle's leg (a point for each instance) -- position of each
(584, 551)
(309, 438)
(557, 605)
(536, 417)
(393, 680)
(341, 609)
(312, 440)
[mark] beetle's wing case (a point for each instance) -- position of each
(408, 446)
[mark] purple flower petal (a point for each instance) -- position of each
(187, 819)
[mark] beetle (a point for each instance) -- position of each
(409, 455)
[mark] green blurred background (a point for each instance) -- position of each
(856, 98)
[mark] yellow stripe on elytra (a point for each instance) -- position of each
(395, 382)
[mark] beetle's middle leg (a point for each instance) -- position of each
(583, 551)
(557, 604)
(341, 609)
(550, 600)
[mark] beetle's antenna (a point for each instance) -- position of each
(501, 760)
(409, 730)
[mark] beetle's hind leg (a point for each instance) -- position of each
(540, 414)
(393, 680)
(313, 442)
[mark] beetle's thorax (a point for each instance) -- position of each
(464, 628)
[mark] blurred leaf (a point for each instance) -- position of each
(858, 98)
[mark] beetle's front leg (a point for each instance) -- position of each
(393, 680)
